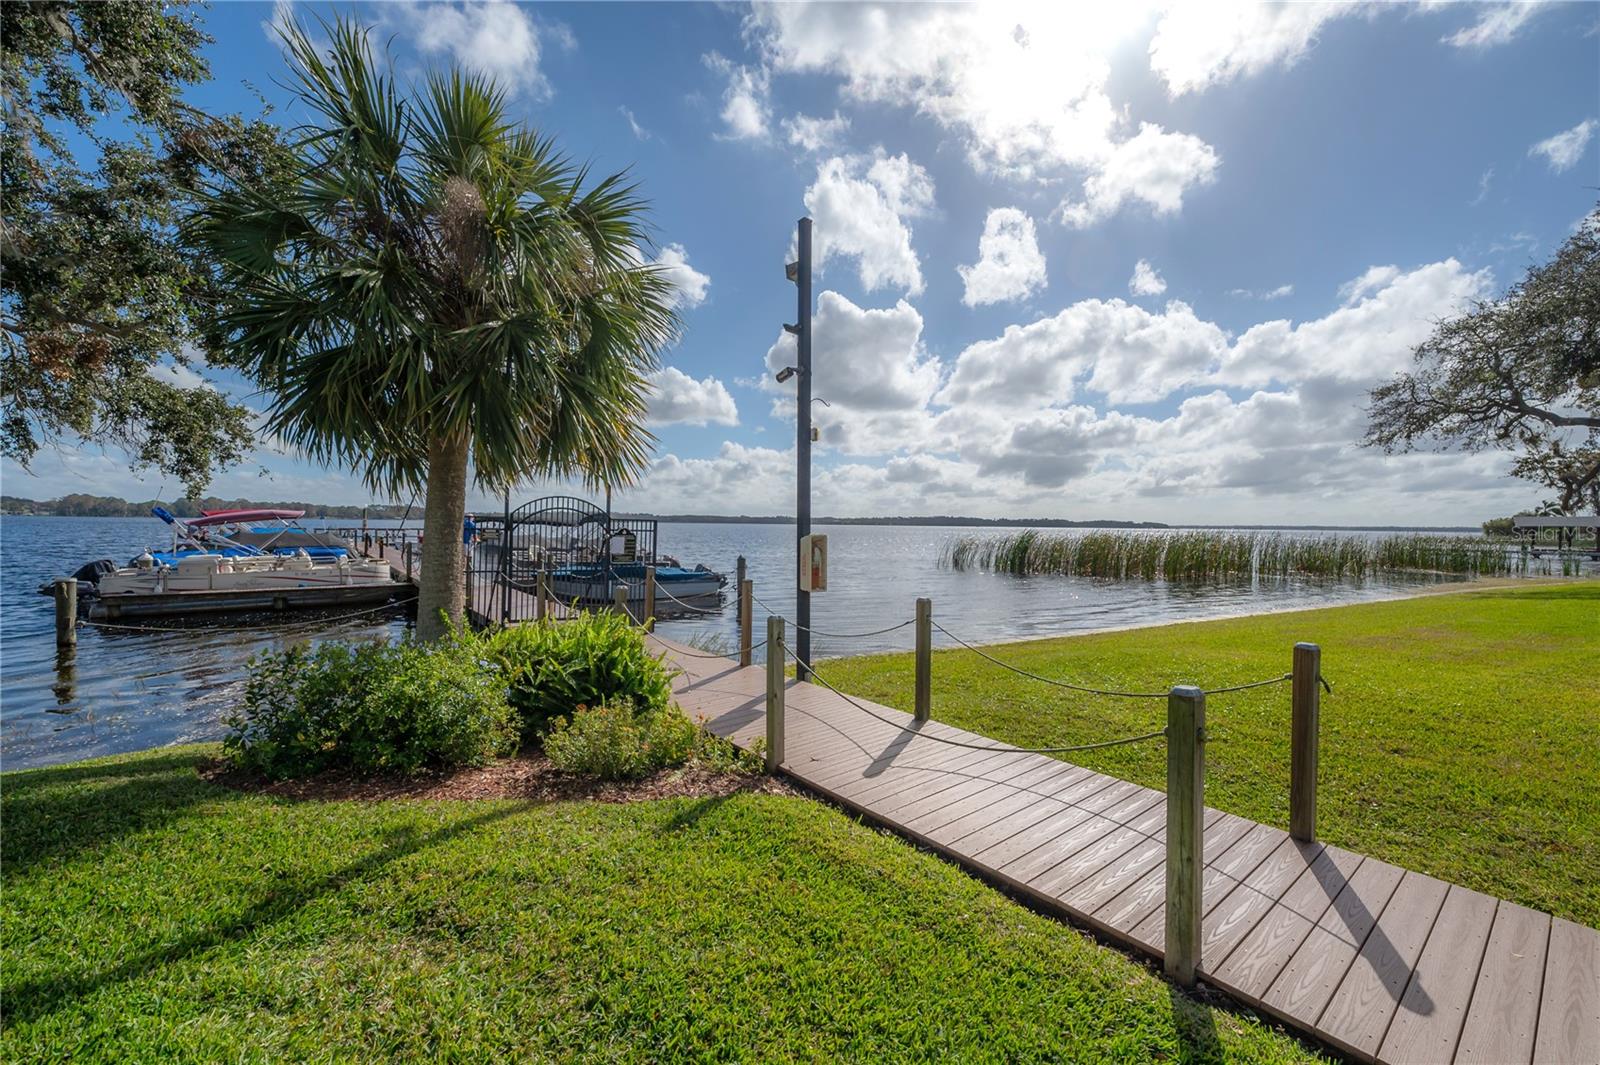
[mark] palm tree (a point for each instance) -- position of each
(437, 292)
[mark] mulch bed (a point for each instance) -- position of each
(529, 776)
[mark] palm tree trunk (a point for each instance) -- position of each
(442, 589)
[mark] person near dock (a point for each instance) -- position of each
(469, 531)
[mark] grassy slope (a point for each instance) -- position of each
(149, 915)
(1462, 737)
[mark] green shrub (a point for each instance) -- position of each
(552, 668)
(614, 740)
(396, 707)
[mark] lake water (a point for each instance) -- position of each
(123, 691)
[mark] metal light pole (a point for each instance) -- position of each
(800, 273)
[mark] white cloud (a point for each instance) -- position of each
(690, 285)
(639, 132)
(1263, 294)
(864, 359)
(179, 375)
(1145, 280)
(1563, 150)
(859, 207)
(816, 134)
(1010, 265)
(1197, 46)
(1024, 87)
(1153, 167)
(746, 111)
(1484, 181)
(1497, 24)
(678, 399)
(494, 38)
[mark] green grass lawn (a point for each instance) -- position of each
(150, 915)
(1462, 737)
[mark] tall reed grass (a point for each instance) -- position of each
(1202, 555)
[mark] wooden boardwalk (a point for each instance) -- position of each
(1383, 963)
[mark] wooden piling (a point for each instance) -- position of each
(1186, 754)
(619, 599)
(746, 598)
(541, 596)
(649, 594)
(775, 656)
(1304, 732)
(405, 551)
(739, 575)
(66, 596)
(924, 683)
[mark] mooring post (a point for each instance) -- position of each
(747, 593)
(649, 594)
(1303, 738)
(1186, 784)
(739, 574)
(924, 659)
(406, 552)
(541, 597)
(619, 598)
(775, 656)
(66, 595)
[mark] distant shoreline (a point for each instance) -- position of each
(939, 521)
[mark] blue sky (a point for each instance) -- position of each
(1078, 261)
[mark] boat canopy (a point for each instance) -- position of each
(226, 517)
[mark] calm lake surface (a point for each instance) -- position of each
(124, 691)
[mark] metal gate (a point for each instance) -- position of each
(583, 553)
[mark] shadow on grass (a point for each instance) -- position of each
(53, 814)
(1196, 1027)
(30, 1000)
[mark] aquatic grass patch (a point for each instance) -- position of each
(1459, 739)
(224, 926)
(1219, 555)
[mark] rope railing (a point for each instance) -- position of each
(1068, 685)
(1006, 749)
(831, 635)
(662, 590)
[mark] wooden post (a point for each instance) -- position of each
(775, 658)
(406, 550)
(738, 582)
(619, 597)
(649, 594)
(541, 597)
(924, 659)
(746, 597)
(66, 595)
(1303, 736)
(1186, 784)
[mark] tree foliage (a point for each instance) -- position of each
(98, 153)
(1519, 373)
(438, 285)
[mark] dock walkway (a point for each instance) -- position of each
(1384, 963)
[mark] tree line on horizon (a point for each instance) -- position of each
(83, 505)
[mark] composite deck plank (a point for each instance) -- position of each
(1128, 910)
(1218, 879)
(1317, 967)
(1358, 1014)
(1569, 1014)
(1504, 1014)
(1236, 916)
(1428, 1023)
(1255, 963)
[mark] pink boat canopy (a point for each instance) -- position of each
(224, 517)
